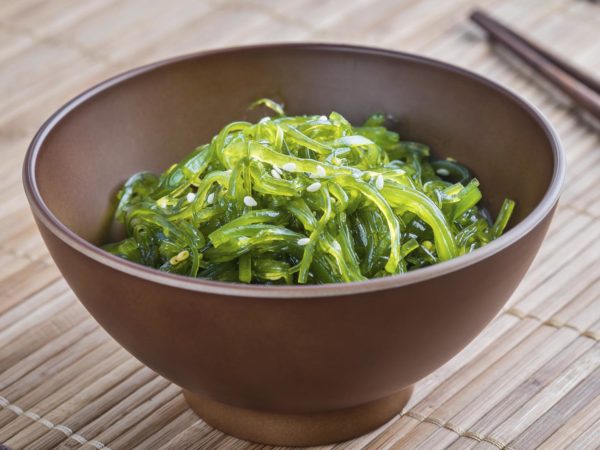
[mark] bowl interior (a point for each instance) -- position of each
(152, 118)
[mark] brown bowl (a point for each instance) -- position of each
(293, 365)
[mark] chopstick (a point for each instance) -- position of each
(583, 89)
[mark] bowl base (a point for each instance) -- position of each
(298, 429)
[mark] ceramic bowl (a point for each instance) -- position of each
(293, 365)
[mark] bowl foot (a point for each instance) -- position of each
(298, 429)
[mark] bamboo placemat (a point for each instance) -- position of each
(531, 379)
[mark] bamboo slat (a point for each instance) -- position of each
(574, 401)
(531, 379)
(78, 416)
(169, 431)
(131, 406)
(159, 418)
(77, 400)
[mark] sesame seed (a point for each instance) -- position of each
(379, 182)
(303, 241)
(320, 172)
(314, 187)
(278, 170)
(275, 174)
(211, 198)
(289, 167)
(443, 172)
(249, 201)
(181, 256)
(321, 120)
(162, 202)
(190, 197)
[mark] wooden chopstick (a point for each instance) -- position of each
(583, 89)
(486, 21)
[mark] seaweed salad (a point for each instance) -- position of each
(303, 200)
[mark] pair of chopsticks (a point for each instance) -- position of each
(583, 89)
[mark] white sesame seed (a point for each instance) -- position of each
(190, 197)
(162, 202)
(303, 241)
(320, 172)
(443, 172)
(314, 187)
(321, 120)
(275, 174)
(357, 174)
(249, 201)
(210, 199)
(289, 167)
(379, 182)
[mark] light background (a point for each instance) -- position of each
(531, 377)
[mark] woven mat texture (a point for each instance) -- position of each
(531, 379)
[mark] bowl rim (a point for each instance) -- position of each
(43, 213)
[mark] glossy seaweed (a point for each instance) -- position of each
(303, 199)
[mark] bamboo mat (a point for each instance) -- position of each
(531, 379)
